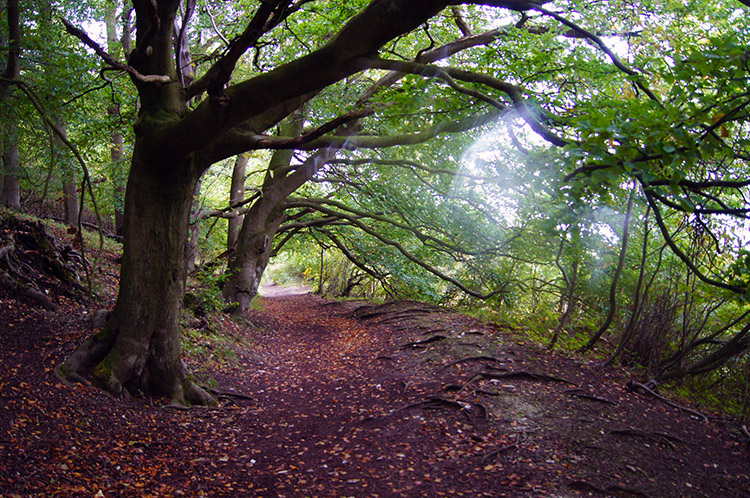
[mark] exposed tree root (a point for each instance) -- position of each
(521, 374)
(472, 411)
(502, 449)
(386, 358)
(28, 291)
(399, 317)
(93, 363)
(660, 437)
(471, 358)
(418, 344)
(33, 262)
(496, 369)
(579, 393)
(227, 394)
(643, 389)
(434, 331)
(470, 345)
(394, 309)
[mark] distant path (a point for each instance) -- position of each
(273, 290)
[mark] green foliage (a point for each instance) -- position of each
(205, 295)
(209, 348)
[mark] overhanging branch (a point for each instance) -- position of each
(356, 222)
(375, 142)
(450, 75)
(681, 255)
(602, 46)
(86, 39)
(298, 142)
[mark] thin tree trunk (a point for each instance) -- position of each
(615, 279)
(320, 273)
(637, 298)
(569, 302)
(116, 150)
(236, 195)
(11, 193)
(737, 345)
(181, 45)
(191, 244)
(70, 200)
(117, 154)
(67, 170)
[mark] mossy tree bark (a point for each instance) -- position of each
(139, 349)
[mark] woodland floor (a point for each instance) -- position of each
(352, 399)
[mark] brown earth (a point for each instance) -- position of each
(351, 399)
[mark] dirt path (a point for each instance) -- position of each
(355, 400)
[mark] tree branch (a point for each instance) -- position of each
(681, 255)
(269, 15)
(84, 37)
(599, 43)
(355, 221)
(297, 142)
(380, 277)
(449, 75)
(423, 238)
(375, 142)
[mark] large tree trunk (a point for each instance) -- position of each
(253, 251)
(69, 190)
(139, 349)
(255, 240)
